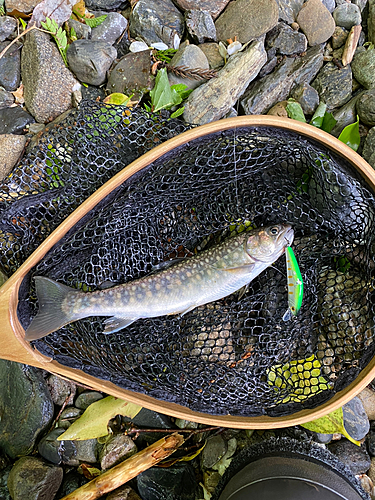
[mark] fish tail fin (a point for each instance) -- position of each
(51, 316)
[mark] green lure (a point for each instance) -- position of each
(295, 284)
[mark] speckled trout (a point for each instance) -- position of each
(194, 281)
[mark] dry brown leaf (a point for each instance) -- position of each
(18, 95)
(59, 10)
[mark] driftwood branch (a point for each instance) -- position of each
(122, 473)
(351, 44)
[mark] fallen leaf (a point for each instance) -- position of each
(59, 10)
(18, 95)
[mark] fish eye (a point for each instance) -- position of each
(274, 230)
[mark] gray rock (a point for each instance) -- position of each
(334, 85)
(214, 450)
(211, 51)
(10, 67)
(26, 407)
(363, 67)
(48, 84)
(157, 21)
(330, 4)
(285, 40)
(347, 15)
(82, 30)
(4, 492)
(366, 107)
(316, 22)
(25, 6)
(345, 115)
(367, 396)
(214, 99)
(353, 456)
(105, 4)
(339, 37)
(323, 438)
(175, 483)
(32, 479)
(214, 7)
(307, 96)
(86, 398)
(6, 98)
(58, 452)
(11, 147)
(90, 60)
(270, 64)
(131, 74)
(71, 482)
(61, 390)
(371, 160)
(110, 29)
(356, 421)
(191, 57)
(231, 113)
(288, 9)
(152, 419)
(371, 21)
(247, 19)
(200, 25)
(14, 120)
(117, 449)
(8, 26)
(87, 451)
(275, 87)
(123, 493)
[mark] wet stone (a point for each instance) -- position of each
(6, 98)
(61, 390)
(363, 67)
(110, 29)
(347, 15)
(334, 85)
(58, 452)
(87, 451)
(11, 147)
(157, 21)
(189, 56)
(123, 493)
(107, 5)
(211, 51)
(307, 96)
(32, 479)
(152, 420)
(86, 398)
(339, 37)
(4, 491)
(366, 107)
(353, 456)
(10, 66)
(356, 422)
(214, 450)
(118, 448)
(316, 22)
(214, 7)
(14, 120)
(367, 396)
(71, 482)
(285, 40)
(175, 483)
(26, 407)
(247, 19)
(8, 26)
(131, 74)
(82, 30)
(345, 115)
(288, 9)
(200, 25)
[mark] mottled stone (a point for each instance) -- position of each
(347, 15)
(334, 85)
(8, 26)
(107, 5)
(87, 398)
(61, 390)
(371, 21)
(110, 29)
(356, 421)
(123, 493)
(214, 99)
(275, 87)
(214, 7)
(211, 51)
(200, 25)
(286, 41)
(288, 9)
(6, 98)
(353, 456)
(32, 479)
(4, 492)
(131, 74)
(367, 396)
(366, 107)
(10, 67)
(82, 30)
(339, 37)
(316, 22)
(117, 449)
(189, 56)
(157, 21)
(363, 67)
(25, 6)
(55, 451)
(307, 96)
(247, 19)
(11, 147)
(90, 60)
(345, 115)
(48, 84)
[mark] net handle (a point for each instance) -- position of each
(14, 347)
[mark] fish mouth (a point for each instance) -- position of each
(288, 235)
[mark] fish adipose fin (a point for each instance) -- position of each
(114, 324)
(50, 316)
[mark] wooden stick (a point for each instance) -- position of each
(351, 44)
(122, 473)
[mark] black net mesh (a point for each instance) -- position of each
(236, 355)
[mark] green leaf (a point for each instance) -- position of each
(294, 111)
(95, 21)
(94, 421)
(162, 96)
(178, 112)
(59, 35)
(73, 34)
(350, 135)
(328, 122)
(330, 424)
(165, 55)
(23, 22)
(317, 119)
(117, 98)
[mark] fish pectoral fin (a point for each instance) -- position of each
(114, 324)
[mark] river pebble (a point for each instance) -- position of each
(174, 483)
(366, 107)
(307, 96)
(10, 66)
(11, 148)
(90, 60)
(334, 85)
(363, 67)
(116, 449)
(347, 15)
(355, 457)
(316, 22)
(86, 398)
(200, 25)
(8, 26)
(131, 74)
(286, 41)
(110, 29)
(188, 56)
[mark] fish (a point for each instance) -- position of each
(205, 277)
(295, 285)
